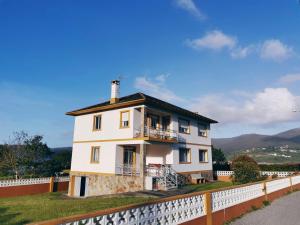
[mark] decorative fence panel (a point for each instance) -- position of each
(212, 207)
(295, 180)
(277, 185)
(11, 188)
(170, 213)
(278, 173)
(269, 173)
(230, 197)
(19, 182)
(224, 173)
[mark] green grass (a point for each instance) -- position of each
(207, 186)
(32, 208)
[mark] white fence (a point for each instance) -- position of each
(19, 182)
(187, 208)
(269, 173)
(169, 212)
(230, 197)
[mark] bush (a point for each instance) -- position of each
(279, 167)
(245, 169)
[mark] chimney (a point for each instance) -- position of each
(115, 91)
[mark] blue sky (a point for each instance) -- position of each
(236, 61)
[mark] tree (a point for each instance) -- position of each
(24, 155)
(36, 154)
(12, 154)
(59, 162)
(245, 169)
(218, 156)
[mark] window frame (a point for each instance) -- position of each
(93, 148)
(94, 122)
(189, 126)
(121, 125)
(206, 129)
(205, 156)
(189, 156)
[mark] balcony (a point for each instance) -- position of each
(156, 134)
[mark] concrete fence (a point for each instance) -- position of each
(214, 207)
(227, 175)
(11, 188)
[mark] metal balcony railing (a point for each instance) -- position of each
(127, 170)
(157, 133)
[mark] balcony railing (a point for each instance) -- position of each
(127, 170)
(157, 134)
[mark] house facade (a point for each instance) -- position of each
(137, 142)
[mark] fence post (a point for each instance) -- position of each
(51, 184)
(208, 208)
(291, 184)
(265, 191)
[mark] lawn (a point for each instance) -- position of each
(32, 208)
(207, 186)
(26, 209)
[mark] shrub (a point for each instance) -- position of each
(245, 169)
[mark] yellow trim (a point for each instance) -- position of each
(188, 143)
(90, 173)
(124, 111)
(109, 140)
(107, 107)
(93, 148)
(72, 180)
(94, 122)
(208, 208)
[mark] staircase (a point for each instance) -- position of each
(166, 176)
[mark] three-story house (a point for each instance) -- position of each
(137, 142)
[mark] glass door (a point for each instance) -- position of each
(129, 156)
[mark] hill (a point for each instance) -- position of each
(279, 148)
(249, 141)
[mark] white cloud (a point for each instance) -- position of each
(242, 52)
(272, 105)
(289, 78)
(275, 50)
(190, 6)
(162, 77)
(156, 88)
(214, 40)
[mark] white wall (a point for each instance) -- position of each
(195, 165)
(193, 137)
(159, 154)
(111, 155)
(110, 126)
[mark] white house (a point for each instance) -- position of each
(137, 142)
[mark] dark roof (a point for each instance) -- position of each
(138, 99)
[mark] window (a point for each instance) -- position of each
(202, 129)
(97, 122)
(95, 154)
(124, 120)
(184, 126)
(203, 155)
(184, 155)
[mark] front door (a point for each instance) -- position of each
(82, 186)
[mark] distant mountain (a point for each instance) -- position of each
(248, 141)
